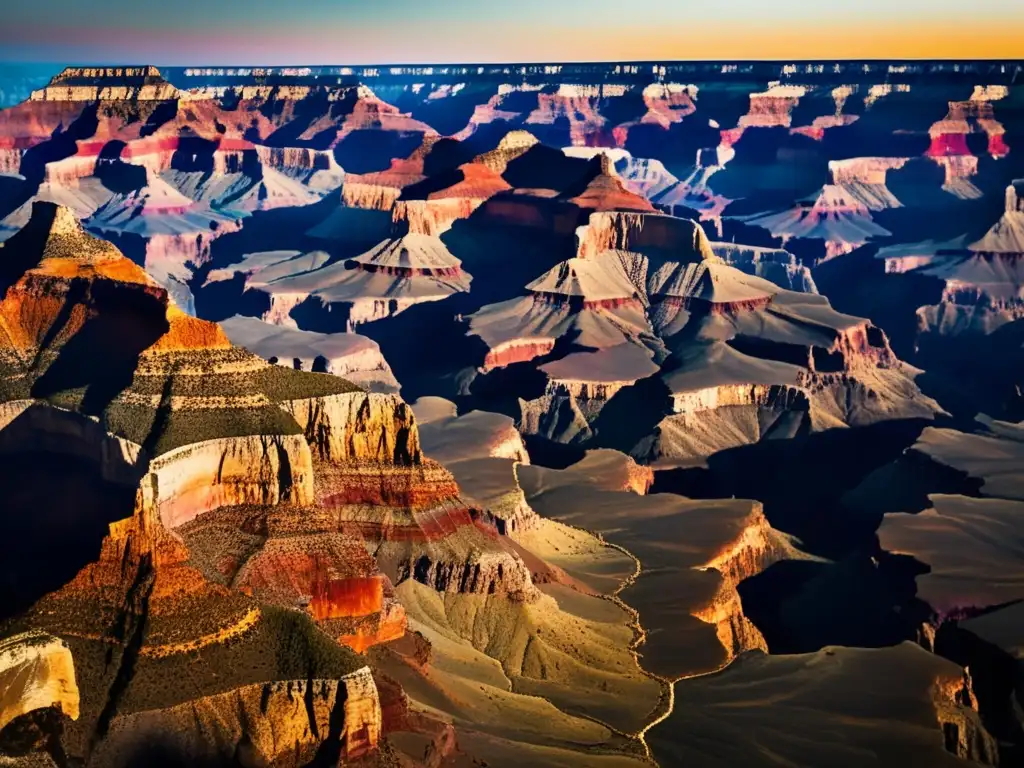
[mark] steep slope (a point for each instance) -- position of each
(187, 424)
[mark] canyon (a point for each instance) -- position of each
(603, 415)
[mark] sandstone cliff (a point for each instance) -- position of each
(36, 672)
(358, 427)
(283, 723)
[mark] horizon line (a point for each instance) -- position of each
(1019, 62)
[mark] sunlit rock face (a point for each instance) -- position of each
(38, 672)
(107, 84)
(773, 264)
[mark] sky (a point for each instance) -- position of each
(278, 32)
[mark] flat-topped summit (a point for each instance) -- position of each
(107, 84)
(145, 75)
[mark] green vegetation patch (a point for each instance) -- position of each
(160, 430)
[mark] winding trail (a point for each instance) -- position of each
(667, 702)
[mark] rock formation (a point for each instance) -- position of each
(511, 573)
(220, 448)
(700, 581)
(394, 275)
(984, 284)
(353, 357)
(749, 357)
(38, 672)
(836, 215)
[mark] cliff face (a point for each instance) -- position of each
(779, 266)
(517, 351)
(774, 107)
(359, 427)
(284, 723)
(36, 672)
(200, 429)
(956, 707)
(512, 145)
(107, 84)
(759, 395)
(754, 550)
(432, 217)
(576, 104)
(483, 573)
(199, 477)
(640, 232)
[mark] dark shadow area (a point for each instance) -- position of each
(544, 167)
(62, 144)
(866, 600)
(39, 732)
(677, 146)
(226, 298)
(858, 284)
(632, 414)
(996, 677)
(801, 481)
(59, 500)
(102, 356)
(365, 151)
(119, 177)
(155, 750)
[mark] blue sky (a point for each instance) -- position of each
(429, 31)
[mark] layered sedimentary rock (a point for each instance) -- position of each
(107, 84)
(667, 104)
(586, 301)
(256, 521)
(773, 264)
(750, 358)
(836, 215)
(482, 450)
(316, 115)
(606, 192)
(773, 107)
(37, 672)
(512, 145)
(949, 135)
(980, 281)
(984, 287)
(391, 277)
(284, 723)
(567, 618)
(637, 232)
(567, 110)
(255, 178)
(864, 178)
(204, 427)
